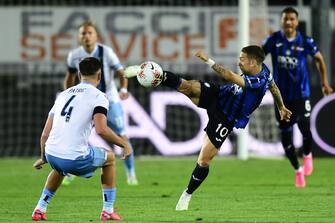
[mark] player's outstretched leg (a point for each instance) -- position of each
(190, 88)
(132, 71)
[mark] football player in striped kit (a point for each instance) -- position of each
(289, 50)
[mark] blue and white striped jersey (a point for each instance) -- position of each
(110, 63)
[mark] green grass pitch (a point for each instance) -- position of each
(235, 191)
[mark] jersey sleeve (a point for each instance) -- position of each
(52, 111)
(270, 77)
(113, 61)
(101, 101)
(267, 44)
(311, 47)
(70, 63)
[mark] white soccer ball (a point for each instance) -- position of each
(150, 75)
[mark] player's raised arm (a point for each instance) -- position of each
(226, 74)
(285, 114)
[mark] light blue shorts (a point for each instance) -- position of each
(115, 119)
(83, 166)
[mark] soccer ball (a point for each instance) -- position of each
(150, 75)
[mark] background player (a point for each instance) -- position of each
(110, 62)
(289, 50)
(227, 106)
(64, 140)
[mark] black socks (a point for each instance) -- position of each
(287, 141)
(292, 156)
(171, 80)
(198, 176)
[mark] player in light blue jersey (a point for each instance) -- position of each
(289, 50)
(110, 65)
(227, 106)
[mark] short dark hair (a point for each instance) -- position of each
(89, 66)
(289, 10)
(254, 52)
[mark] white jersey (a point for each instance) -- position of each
(110, 63)
(73, 120)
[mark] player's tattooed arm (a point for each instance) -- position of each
(276, 94)
(285, 114)
(226, 74)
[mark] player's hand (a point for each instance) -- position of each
(285, 114)
(39, 163)
(127, 151)
(201, 55)
(327, 89)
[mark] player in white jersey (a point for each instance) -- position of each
(64, 140)
(110, 65)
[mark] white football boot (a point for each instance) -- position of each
(132, 71)
(183, 202)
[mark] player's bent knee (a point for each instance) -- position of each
(204, 162)
(110, 158)
(190, 88)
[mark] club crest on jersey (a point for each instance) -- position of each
(297, 48)
(236, 89)
(279, 44)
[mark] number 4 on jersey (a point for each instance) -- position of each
(67, 113)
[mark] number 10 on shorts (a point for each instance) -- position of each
(222, 131)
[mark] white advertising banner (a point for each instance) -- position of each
(41, 37)
(168, 35)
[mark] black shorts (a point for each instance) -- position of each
(301, 112)
(218, 127)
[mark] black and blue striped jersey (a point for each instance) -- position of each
(238, 103)
(289, 61)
